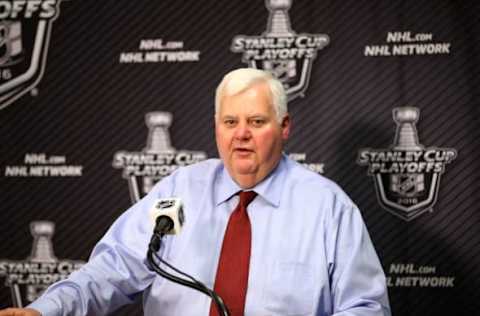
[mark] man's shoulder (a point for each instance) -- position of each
(301, 175)
(191, 178)
(200, 170)
(313, 184)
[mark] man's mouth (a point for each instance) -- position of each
(242, 150)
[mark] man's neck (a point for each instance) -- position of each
(248, 181)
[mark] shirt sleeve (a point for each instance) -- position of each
(358, 284)
(116, 272)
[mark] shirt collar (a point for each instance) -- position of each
(269, 188)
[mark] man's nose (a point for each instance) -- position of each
(242, 131)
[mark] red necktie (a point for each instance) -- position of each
(232, 272)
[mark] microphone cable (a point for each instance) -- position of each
(153, 247)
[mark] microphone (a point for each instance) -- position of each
(168, 218)
(167, 215)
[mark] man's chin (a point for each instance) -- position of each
(244, 168)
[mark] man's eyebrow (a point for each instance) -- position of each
(258, 115)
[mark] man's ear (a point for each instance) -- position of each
(285, 125)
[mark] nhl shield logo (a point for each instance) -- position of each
(25, 28)
(287, 55)
(407, 176)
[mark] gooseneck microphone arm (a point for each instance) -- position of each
(163, 225)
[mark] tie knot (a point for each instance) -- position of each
(246, 197)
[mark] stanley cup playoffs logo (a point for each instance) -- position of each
(25, 27)
(157, 160)
(407, 176)
(27, 279)
(287, 55)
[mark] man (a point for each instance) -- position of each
(303, 250)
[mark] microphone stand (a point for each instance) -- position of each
(163, 225)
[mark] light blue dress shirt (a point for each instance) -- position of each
(311, 253)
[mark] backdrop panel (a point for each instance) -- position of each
(383, 97)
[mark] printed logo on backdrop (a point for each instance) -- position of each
(301, 158)
(142, 169)
(287, 55)
(406, 175)
(407, 43)
(28, 279)
(157, 50)
(409, 275)
(25, 28)
(41, 165)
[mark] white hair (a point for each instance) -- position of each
(241, 79)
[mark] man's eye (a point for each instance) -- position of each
(229, 122)
(257, 122)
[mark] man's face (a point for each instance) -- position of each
(249, 136)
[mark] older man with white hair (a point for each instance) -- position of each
(269, 236)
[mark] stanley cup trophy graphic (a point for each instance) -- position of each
(158, 142)
(286, 54)
(29, 278)
(158, 159)
(278, 25)
(42, 248)
(41, 253)
(406, 139)
(278, 20)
